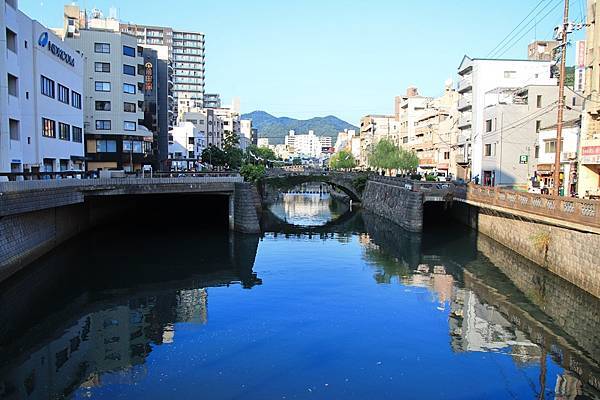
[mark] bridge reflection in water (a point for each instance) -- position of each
(93, 313)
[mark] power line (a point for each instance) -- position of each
(515, 28)
(511, 44)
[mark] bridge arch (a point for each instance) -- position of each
(343, 182)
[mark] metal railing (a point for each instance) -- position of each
(175, 178)
(585, 212)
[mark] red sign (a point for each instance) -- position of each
(581, 53)
(590, 150)
(442, 166)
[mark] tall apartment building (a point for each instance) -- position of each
(513, 119)
(41, 116)
(373, 128)
(246, 133)
(589, 152)
(185, 49)
(115, 135)
(477, 76)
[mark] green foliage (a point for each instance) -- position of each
(430, 178)
(234, 157)
(252, 173)
(360, 182)
(230, 141)
(260, 155)
(386, 155)
(342, 160)
(297, 161)
(214, 156)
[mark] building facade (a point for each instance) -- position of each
(115, 135)
(41, 98)
(373, 128)
(477, 76)
(186, 146)
(212, 100)
(513, 120)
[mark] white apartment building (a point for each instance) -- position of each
(186, 146)
(409, 109)
(373, 128)
(477, 76)
(326, 141)
(231, 123)
(246, 132)
(262, 142)
(207, 122)
(307, 145)
(41, 116)
(114, 95)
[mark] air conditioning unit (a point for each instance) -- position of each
(569, 155)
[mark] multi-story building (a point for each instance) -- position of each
(41, 102)
(186, 50)
(589, 150)
(435, 132)
(186, 146)
(115, 135)
(477, 76)
(408, 109)
(262, 142)
(546, 149)
(373, 128)
(307, 145)
(212, 100)
(207, 122)
(246, 133)
(513, 119)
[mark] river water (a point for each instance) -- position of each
(329, 303)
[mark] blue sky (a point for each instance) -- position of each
(347, 58)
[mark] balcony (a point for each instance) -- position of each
(461, 158)
(465, 120)
(465, 103)
(465, 84)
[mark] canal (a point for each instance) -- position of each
(331, 302)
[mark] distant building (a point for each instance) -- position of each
(212, 100)
(306, 145)
(207, 123)
(186, 146)
(41, 97)
(542, 50)
(408, 110)
(373, 128)
(246, 133)
(263, 142)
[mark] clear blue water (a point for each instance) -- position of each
(356, 310)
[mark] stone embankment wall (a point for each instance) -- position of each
(395, 203)
(568, 253)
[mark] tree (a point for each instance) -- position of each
(342, 160)
(214, 156)
(230, 141)
(234, 157)
(260, 155)
(409, 161)
(252, 173)
(385, 155)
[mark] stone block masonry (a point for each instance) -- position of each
(395, 203)
(246, 218)
(568, 253)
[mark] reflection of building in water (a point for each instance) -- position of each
(306, 209)
(116, 339)
(567, 387)
(475, 326)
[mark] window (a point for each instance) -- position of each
(102, 86)
(102, 67)
(191, 140)
(13, 85)
(487, 150)
(446, 155)
(550, 146)
(11, 40)
(103, 125)
(539, 101)
(128, 51)
(77, 134)
(538, 126)
(190, 154)
(488, 125)
(128, 69)
(509, 74)
(127, 88)
(129, 107)
(102, 48)
(102, 105)
(106, 146)
(141, 69)
(134, 146)
(537, 151)
(129, 125)
(49, 128)
(13, 127)
(63, 94)
(64, 131)
(76, 100)
(47, 87)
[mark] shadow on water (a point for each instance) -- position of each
(100, 302)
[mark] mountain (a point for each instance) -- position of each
(275, 128)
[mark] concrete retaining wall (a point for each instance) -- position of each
(568, 253)
(396, 204)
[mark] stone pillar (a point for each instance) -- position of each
(244, 209)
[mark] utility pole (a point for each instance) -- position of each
(561, 97)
